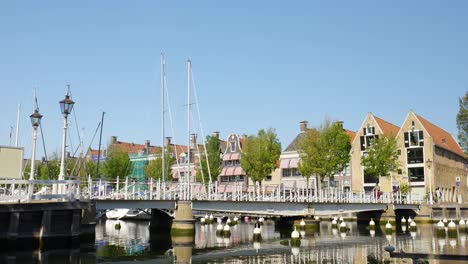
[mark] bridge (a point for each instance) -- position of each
(28, 202)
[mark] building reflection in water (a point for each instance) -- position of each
(359, 245)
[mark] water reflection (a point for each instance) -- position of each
(131, 241)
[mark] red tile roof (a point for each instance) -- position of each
(441, 137)
(387, 128)
(132, 148)
(351, 135)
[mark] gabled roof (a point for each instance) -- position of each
(387, 128)
(441, 137)
(293, 145)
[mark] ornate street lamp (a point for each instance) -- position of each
(35, 121)
(66, 106)
(429, 165)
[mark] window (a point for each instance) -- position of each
(233, 146)
(416, 174)
(240, 178)
(228, 163)
(346, 183)
(334, 184)
(224, 179)
(414, 139)
(366, 141)
(291, 172)
(415, 155)
(325, 184)
(182, 159)
(268, 178)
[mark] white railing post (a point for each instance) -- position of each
(263, 192)
(126, 188)
(30, 190)
(117, 188)
(90, 185)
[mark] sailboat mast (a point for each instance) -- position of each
(99, 148)
(163, 149)
(189, 65)
(17, 124)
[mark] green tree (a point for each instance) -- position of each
(49, 170)
(462, 123)
(117, 163)
(91, 169)
(213, 149)
(381, 158)
(259, 154)
(154, 168)
(324, 151)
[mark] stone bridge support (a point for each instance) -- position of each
(183, 223)
(45, 225)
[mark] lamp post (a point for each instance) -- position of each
(35, 121)
(429, 164)
(66, 106)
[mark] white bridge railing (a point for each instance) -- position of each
(69, 190)
(156, 190)
(28, 190)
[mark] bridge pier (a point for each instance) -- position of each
(183, 223)
(42, 225)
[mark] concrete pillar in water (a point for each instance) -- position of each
(182, 246)
(183, 223)
(389, 215)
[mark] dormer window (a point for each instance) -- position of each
(182, 158)
(233, 146)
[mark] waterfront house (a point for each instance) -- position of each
(291, 178)
(431, 158)
(372, 127)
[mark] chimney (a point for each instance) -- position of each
(216, 134)
(168, 142)
(193, 144)
(147, 143)
(113, 140)
(339, 123)
(303, 126)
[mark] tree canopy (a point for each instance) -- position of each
(324, 151)
(462, 123)
(154, 168)
(117, 163)
(381, 157)
(260, 153)
(213, 149)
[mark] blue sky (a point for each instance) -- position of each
(257, 64)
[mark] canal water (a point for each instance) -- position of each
(132, 243)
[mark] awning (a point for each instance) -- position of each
(239, 171)
(289, 163)
(284, 163)
(296, 183)
(235, 156)
(227, 156)
(294, 163)
(223, 172)
(230, 171)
